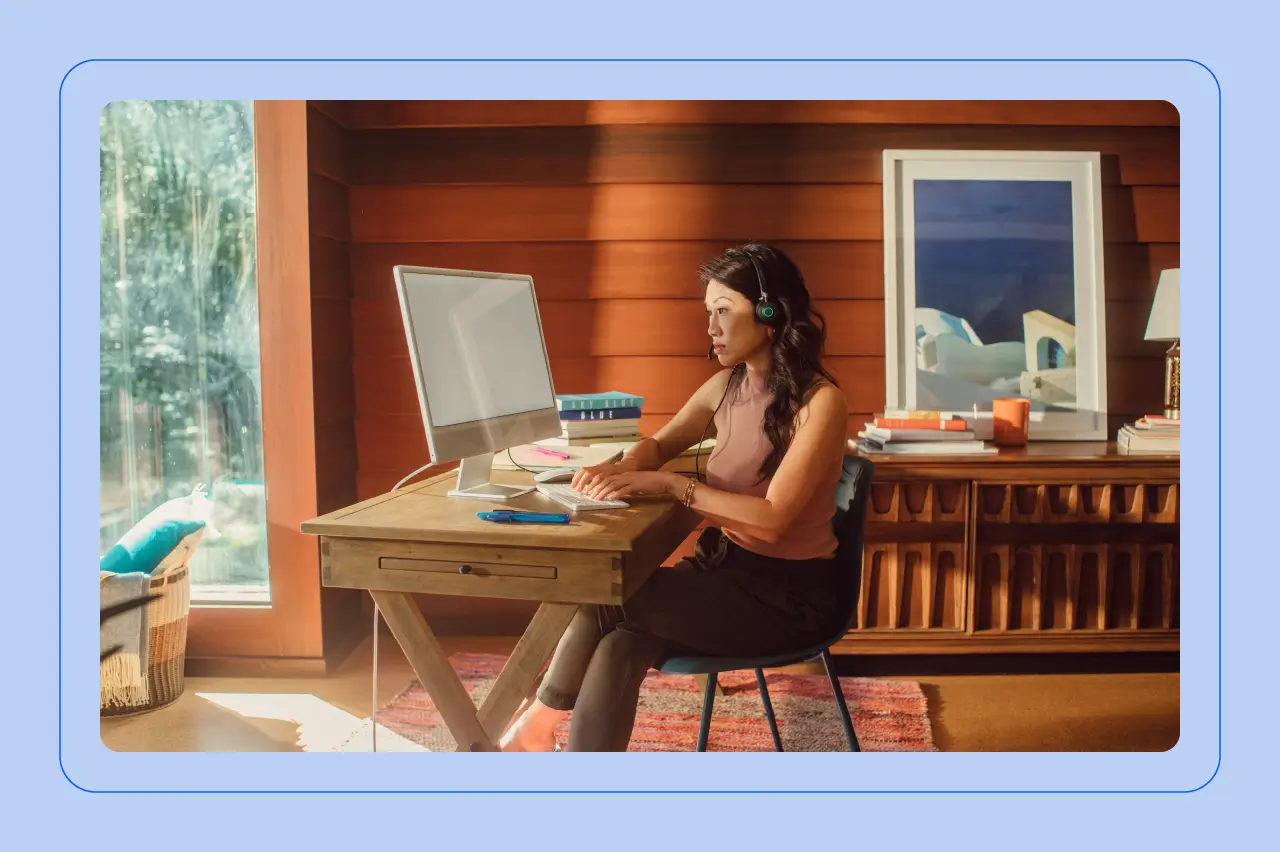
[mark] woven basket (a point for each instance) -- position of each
(166, 634)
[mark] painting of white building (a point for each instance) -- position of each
(956, 368)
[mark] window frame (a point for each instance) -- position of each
(290, 626)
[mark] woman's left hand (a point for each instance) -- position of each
(624, 483)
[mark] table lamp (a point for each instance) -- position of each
(1163, 325)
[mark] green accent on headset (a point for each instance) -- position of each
(768, 311)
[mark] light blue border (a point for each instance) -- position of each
(537, 768)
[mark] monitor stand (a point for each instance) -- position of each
(473, 481)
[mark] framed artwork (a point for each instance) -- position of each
(994, 286)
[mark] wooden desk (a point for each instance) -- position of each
(419, 540)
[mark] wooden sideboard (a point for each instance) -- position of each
(1058, 547)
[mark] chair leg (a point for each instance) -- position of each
(768, 709)
(708, 702)
(840, 704)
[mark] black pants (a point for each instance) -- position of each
(724, 601)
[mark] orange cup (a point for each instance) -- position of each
(1011, 416)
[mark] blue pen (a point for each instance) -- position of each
(509, 516)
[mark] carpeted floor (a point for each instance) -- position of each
(1092, 710)
(888, 715)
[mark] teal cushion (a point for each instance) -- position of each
(145, 546)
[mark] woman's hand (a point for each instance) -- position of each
(616, 484)
(587, 477)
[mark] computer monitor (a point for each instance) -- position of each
(480, 363)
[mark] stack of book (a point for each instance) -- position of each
(920, 433)
(1151, 434)
(597, 418)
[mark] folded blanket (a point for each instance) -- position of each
(124, 674)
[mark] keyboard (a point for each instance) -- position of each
(575, 501)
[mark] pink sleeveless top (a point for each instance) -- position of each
(734, 465)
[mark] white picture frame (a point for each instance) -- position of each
(1064, 366)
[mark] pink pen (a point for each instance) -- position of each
(547, 452)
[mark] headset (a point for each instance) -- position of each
(767, 311)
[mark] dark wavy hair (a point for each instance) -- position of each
(796, 356)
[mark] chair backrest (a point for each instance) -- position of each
(852, 494)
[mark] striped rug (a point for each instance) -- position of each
(888, 715)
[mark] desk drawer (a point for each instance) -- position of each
(532, 574)
(469, 569)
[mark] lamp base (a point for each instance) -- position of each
(1173, 381)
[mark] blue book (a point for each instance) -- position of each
(596, 401)
(601, 414)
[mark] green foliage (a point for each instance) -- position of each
(180, 375)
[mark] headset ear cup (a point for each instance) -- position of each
(768, 312)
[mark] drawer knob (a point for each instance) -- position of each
(464, 569)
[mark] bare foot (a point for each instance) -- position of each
(533, 730)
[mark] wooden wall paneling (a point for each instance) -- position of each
(329, 208)
(335, 110)
(635, 269)
(333, 346)
(724, 153)
(838, 269)
(1126, 325)
(328, 149)
(411, 114)
(1140, 214)
(615, 212)
(331, 332)
(335, 398)
(330, 268)
(1132, 270)
(607, 212)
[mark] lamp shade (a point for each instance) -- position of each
(1163, 323)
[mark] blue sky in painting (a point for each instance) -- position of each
(991, 250)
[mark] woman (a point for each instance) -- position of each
(762, 579)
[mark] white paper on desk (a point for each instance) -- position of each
(707, 446)
(527, 456)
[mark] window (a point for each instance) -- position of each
(181, 386)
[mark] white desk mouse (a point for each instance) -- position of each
(556, 475)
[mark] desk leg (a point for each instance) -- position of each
(431, 665)
(524, 665)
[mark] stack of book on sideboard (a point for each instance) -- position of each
(597, 418)
(1152, 434)
(899, 432)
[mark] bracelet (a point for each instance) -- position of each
(688, 492)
